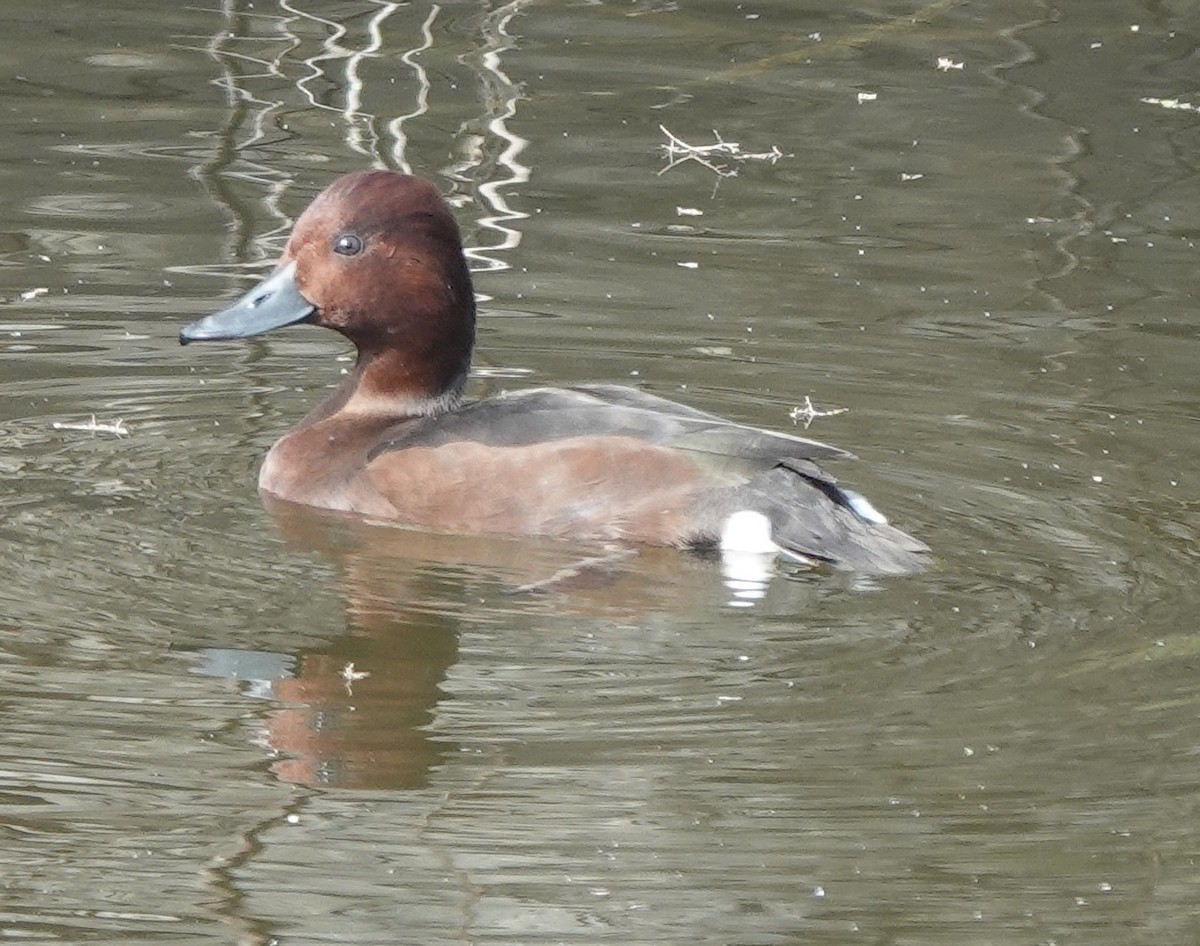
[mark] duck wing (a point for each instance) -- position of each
(731, 468)
(541, 415)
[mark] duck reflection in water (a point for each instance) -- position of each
(357, 712)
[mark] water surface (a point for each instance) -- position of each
(223, 726)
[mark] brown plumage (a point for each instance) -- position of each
(378, 257)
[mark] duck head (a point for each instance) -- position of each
(378, 257)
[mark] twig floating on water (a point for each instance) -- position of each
(808, 413)
(712, 156)
(1173, 104)
(95, 426)
(350, 676)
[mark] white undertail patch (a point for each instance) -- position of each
(862, 508)
(747, 556)
(748, 531)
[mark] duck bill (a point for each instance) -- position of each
(273, 303)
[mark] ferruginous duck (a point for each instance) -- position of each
(377, 257)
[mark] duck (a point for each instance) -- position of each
(378, 257)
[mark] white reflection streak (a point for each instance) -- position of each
(245, 128)
(331, 51)
(358, 135)
(504, 94)
(396, 125)
(236, 91)
(337, 31)
(354, 83)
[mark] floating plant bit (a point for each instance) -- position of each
(95, 426)
(808, 413)
(711, 156)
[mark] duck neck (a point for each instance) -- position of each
(395, 383)
(388, 386)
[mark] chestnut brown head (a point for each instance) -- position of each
(377, 256)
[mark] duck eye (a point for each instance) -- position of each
(347, 245)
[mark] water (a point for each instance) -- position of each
(226, 725)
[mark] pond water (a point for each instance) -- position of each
(971, 225)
